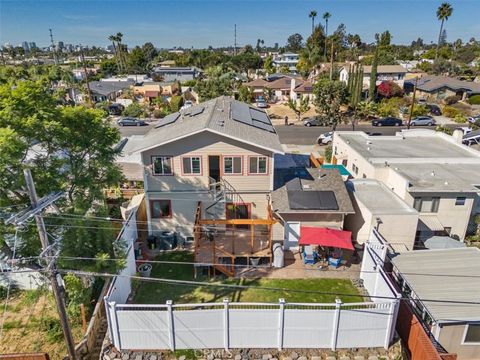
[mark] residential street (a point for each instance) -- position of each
(295, 134)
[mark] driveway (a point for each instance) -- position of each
(443, 120)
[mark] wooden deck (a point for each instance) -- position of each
(221, 243)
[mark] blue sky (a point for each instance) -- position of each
(202, 23)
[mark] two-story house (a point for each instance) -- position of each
(213, 161)
(429, 170)
(289, 60)
(395, 73)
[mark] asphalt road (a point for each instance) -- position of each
(296, 134)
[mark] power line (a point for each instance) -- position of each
(246, 287)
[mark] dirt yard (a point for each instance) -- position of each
(31, 325)
(277, 113)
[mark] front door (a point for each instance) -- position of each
(214, 167)
(238, 211)
(292, 235)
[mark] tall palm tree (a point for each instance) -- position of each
(313, 15)
(119, 37)
(444, 11)
(113, 39)
(326, 15)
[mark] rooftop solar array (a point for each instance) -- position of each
(312, 200)
(251, 116)
(167, 120)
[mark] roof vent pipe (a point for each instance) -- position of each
(433, 173)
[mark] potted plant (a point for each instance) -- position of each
(145, 270)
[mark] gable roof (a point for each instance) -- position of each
(386, 69)
(214, 116)
(257, 83)
(107, 87)
(431, 83)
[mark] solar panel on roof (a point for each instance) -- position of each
(167, 120)
(259, 116)
(312, 200)
(196, 111)
(241, 113)
(263, 126)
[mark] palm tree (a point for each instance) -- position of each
(444, 11)
(326, 15)
(113, 39)
(118, 38)
(313, 15)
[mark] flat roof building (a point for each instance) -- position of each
(430, 171)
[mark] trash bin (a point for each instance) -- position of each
(145, 270)
(278, 255)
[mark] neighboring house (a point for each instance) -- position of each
(283, 87)
(429, 170)
(377, 207)
(395, 73)
(289, 60)
(148, 91)
(80, 74)
(308, 197)
(108, 90)
(212, 161)
(167, 63)
(440, 87)
(455, 323)
(171, 74)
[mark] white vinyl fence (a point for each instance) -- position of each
(251, 325)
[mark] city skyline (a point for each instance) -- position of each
(208, 24)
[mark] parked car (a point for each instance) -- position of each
(128, 121)
(423, 121)
(261, 104)
(312, 121)
(187, 105)
(474, 119)
(434, 109)
(325, 138)
(387, 121)
(115, 109)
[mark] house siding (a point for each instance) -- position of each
(185, 191)
(451, 337)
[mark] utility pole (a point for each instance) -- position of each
(53, 46)
(235, 41)
(90, 100)
(51, 270)
(413, 103)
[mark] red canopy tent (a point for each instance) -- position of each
(310, 235)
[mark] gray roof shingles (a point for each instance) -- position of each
(216, 117)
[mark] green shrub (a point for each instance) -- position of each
(419, 110)
(450, 111)
(388, 108)
(176, 103)
(450, 100)
(328, 154)
(460, 119)
(134, 110)
(474, 100)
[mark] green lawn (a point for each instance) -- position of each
(158, 293)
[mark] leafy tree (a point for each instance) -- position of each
(77, 154)
(245, 94)
(444, 11)
(294, 43)
(149, 52)
(137, 62)
(310, 58)
(109, 67)
(213, 87)
(134, 110)
(329, 96)
(299, 107)
(385, 39)
(268, 65)
(176, 102)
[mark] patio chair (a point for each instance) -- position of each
(335, 262)
(309, 256)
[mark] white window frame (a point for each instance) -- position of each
(162, 158)
(465, 335)
(191, 165)
(257, 170)
(233, 165)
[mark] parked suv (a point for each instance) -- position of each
(325, 139)
(423, 121)
(387, 121)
